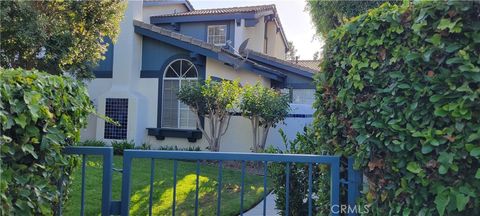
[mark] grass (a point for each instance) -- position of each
(163, 188)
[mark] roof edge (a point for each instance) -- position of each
(201, 47)
(187, 3)
(282, 64)
(279, 23)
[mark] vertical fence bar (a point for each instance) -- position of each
(175, 164)
(242, 186)
(287, 189)
(335, 185)
(265, 167)
(82, 198)
(152, 174)
(219, 197)
(309, 189)
(107, 180)
(354, 184)
(196, 187)
(126, 178)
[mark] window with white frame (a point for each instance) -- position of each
(176, 114)
(217, 35)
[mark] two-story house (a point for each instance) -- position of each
(166, 44)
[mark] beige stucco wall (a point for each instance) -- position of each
(95, 88)
(255, 33)
(124, 82)
(271, 38)
(238, 136)
(276, 44)
(218, 69)
(279, 47)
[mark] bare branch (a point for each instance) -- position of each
(226, 126)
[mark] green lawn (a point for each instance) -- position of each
(163, 188)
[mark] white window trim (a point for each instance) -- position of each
(180, 79)
(215, 26)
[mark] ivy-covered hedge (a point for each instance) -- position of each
(39, 115)
(399, 89)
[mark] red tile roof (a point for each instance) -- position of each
(313, 64)
(285, 62)
(215, 11)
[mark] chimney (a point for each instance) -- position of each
(296, 59)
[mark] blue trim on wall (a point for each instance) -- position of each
(216, 79)
(288, 115)
(203, 18)
(161, 133)
(104, 68)
(149, 74)
(103, 74)
(251, 22)
(300, 85)
(175, 42)
(159, 74)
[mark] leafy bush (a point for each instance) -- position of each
(119, 146)
(304, 143)
(40, 114)
(399, 90)
(144, 146)
(328, 14)
(98, 143)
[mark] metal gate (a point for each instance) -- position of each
(121, 207)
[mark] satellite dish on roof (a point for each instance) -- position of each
(243, 46)
(242, 50)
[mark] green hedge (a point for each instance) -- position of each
(39, 115)
(120, 145)
(399, 89)
(303, 143)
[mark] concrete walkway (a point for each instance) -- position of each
(258, 209)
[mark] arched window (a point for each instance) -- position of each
(175, 114)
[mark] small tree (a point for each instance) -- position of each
(292, 51)
(316, 55)
(214, 101)
(264, 107)
(57, 36)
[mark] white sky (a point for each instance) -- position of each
(295, 21)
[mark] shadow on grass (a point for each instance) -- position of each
(163, 188)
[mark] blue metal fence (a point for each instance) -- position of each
(107, 154)
(122, 207)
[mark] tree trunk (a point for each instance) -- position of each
(264, 138)
(218, 128)
(254, 121)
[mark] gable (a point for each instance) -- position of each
(276, 70)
